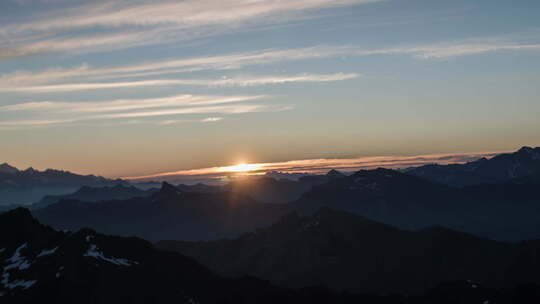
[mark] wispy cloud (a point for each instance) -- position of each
(222, 82)
(127, 104)
(229, 109)
(70, 112)
(15, 80)
(211, 119)
(320, 165)
(140, 23)
(26, 123)
(185, 14)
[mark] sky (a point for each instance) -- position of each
(137, 88)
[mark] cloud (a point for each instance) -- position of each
(446, 50)
(126, 104)
(231, 109)
(70, 112)
(211, 119)
(138, 23)
(243, 59)
(184, 14)
(318, 166)
(217, 62)
(25, 123)
(223, 82)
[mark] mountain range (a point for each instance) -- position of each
(350, 252)
(505, 211)
(95, 194)
(169, 213)
(30, 185)
(41, 265)
(499, 169)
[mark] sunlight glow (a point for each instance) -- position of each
(240, 168)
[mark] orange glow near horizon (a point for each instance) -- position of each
(242, 167)
(319, 166)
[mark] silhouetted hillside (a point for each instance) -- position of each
(344, 251)
(167, 214)
(509, 211)
(30, 185)
(95, 194)
(499, 169)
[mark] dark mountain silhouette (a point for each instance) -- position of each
(509, 212)
(30, 185)
(386, 195)
(7, 169)
(95, 194)
(273, 190)
(345, 251)
(269, 190)
(200, 188)
(167, 214)
(41, 265)
(499, 169)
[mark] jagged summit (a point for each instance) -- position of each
(6, 168)
(498, 169)
(334, 174)
(168, 189)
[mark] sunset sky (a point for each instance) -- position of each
(135, 88)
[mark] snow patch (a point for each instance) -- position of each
(94, 253)
(17, 261)
(45, 252)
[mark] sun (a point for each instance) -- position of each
(242, 167)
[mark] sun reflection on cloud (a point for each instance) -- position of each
(242, 167)
(316, 166)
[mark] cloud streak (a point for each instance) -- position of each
(223, 82)
(70, 112)
(127, 104)
(144, 23)
(13, 81)
(318, 166)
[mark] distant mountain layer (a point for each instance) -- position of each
(499, 169)
(344, 251)
(29, 186)
(507, 211)
(170, 213)
(95, 194)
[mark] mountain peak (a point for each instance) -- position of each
(334, 174)
(526, 149)
(168, 190)
(6, 168)
(18, 213)
(529, 151)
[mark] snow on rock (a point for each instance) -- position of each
(94, 253)
(17, 261)
(45, 252)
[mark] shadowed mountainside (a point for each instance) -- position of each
(167, 214)
(30, 185)
(345, 251)
(499, 169)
